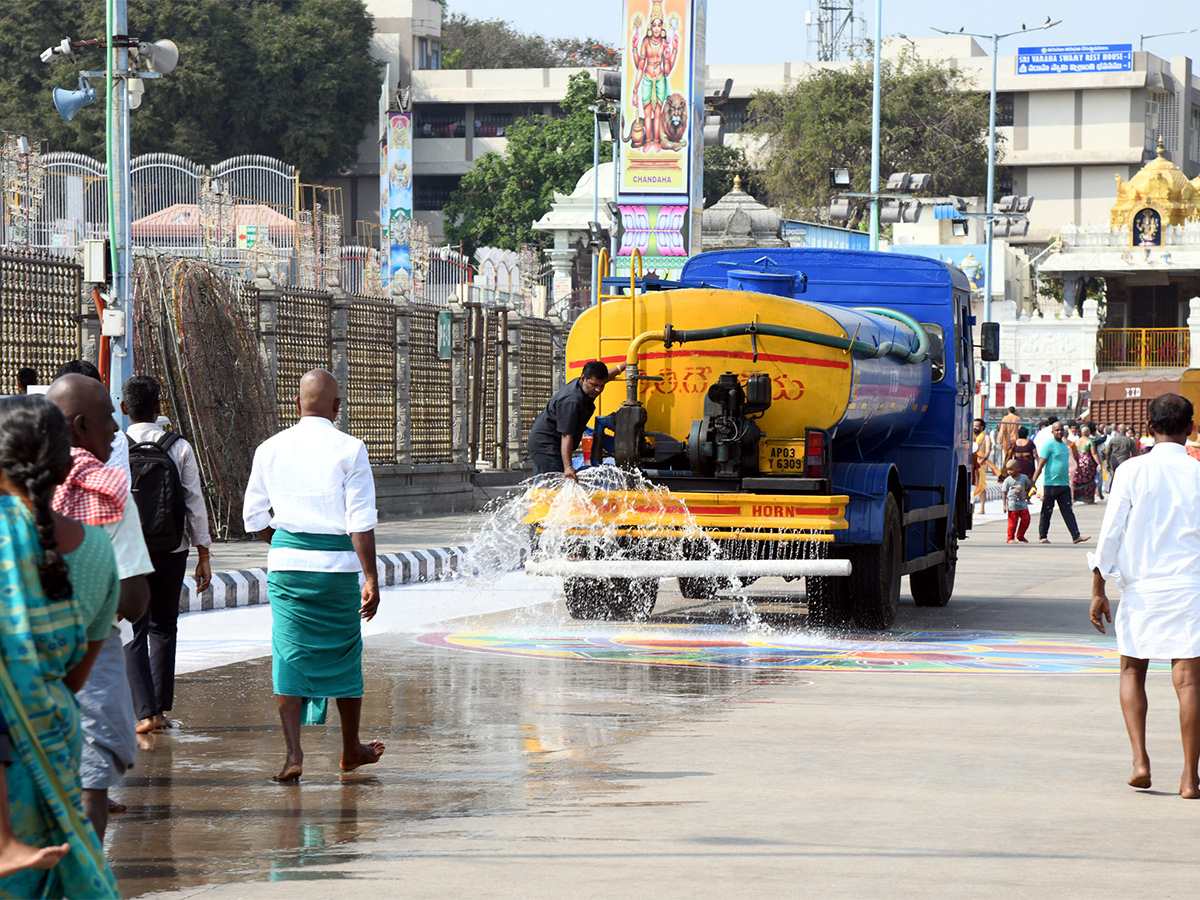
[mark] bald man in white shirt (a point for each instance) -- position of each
(1150, 546)
(311, 496)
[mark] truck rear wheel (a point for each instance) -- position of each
(874, 582)
(698, 588)
(933, 586)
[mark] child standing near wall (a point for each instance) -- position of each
(1017, 488)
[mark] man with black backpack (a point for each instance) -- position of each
(165, 480)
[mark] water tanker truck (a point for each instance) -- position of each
(809, 410)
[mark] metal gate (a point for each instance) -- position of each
(302, 342)
(430, 392)
(39, 316)
(371, 393)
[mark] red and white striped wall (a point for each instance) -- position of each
(1037, 391)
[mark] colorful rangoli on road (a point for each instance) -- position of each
(918, 651)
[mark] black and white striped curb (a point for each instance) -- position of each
(248, 587)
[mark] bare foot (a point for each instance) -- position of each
(115, 807)
(161, 721)
(15, 856)
(1189, 787)
(145, 726)
(366, 754)
(291, 771)
(1141, 777)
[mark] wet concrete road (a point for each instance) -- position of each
(530, 757)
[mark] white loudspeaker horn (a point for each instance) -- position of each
(68, 103)
(161, 56)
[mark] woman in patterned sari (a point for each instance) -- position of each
(45, 655)
(1085, 472)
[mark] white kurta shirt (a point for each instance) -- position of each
(1150, 539)
(316, 480)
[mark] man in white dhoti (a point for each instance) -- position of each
(1150, 548)
(311, 496)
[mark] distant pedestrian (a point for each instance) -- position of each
(1016, 488)
(311, 496)
(1024, 453)
(1055, 458)
(1044, 432)
(1149, 546)
(1084, 483)
(559, 427)
(981, 449)
(166, 485)
(26, 378)
(1007, 433)
(1117, 449)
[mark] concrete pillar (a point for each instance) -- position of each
(561, 259)
(516, 445)
(268, 315)
(1193, 323)
(339, 327)
(559, 351)
(1070, 289)
(403, 381)
(458, 384)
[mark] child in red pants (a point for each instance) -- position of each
(1017, 488)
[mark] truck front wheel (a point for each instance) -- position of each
(874, 581)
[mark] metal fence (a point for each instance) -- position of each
(303, 343)
(371, 391)
(1143, 348)
(430, 407)
(537, 373)
(39, 316)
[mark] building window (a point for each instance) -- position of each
(1004, 181)
(1004, 108)
(1195, 154)
(494, 119)
(432, 192)
(429, 53)
(1162, 120)
(737, 114)
(440, 120)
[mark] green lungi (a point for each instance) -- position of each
(316, 630)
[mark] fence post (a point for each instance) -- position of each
(404, 311)
(268, 316)
(458, 384)
(559, 352)
(512, 401)
(339, 324)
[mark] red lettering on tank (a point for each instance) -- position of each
(696, 379)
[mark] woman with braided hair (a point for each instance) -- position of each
(58, 595)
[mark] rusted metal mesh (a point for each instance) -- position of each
(39, 315)
(192, 333)
(371, 392)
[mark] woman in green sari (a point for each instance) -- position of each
(46, 654)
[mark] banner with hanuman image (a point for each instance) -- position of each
(660, 130)
(396, 203)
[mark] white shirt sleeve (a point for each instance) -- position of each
(119, 459)
(360, 495)
(1112, 530)
(197, 512)
(129, 547)
(256, 503)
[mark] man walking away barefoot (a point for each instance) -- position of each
(317, 483)
(1150, 545)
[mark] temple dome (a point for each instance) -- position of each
(1162, 185)
(738, 220)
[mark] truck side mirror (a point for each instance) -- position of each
(989, 341)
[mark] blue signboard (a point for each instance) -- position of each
(1075, 60)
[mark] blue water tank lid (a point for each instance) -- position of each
(781, 284)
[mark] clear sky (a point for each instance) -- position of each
(746, 31)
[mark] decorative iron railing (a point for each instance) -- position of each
(1143, 348)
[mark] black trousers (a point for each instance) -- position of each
(150, 656)
(1060, 494)
(545, 463)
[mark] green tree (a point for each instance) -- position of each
(721, 165)
(930, 121)
(495, 44)
(289, 78)
(498, 201)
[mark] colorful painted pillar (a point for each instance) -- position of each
(661, 168)
(395, 199)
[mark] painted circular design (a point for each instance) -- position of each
(988, 652)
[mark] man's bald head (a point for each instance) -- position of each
(89, 412)
(319, 395)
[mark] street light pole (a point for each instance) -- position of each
(989, 213)
(875, 109)
(1144, 37)
(117, 86)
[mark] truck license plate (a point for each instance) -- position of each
(784, 457)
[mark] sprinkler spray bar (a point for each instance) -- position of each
(688, 568)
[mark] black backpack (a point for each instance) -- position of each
(158, 492)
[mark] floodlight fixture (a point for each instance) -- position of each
(1008, 203)
(22, 145)
(912, 212)
(717, 92)
(608, 84)
(958, 227)
(1000, 227)
(919, 183)
(1024, 204)
(898, 182)
(839, 178)
(891, 211)
(1018, 227)
(714, 130)
(839, 210)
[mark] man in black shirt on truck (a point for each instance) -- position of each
(559, 428)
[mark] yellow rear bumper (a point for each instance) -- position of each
(779, 517)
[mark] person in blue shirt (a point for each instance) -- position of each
(1054, 456)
